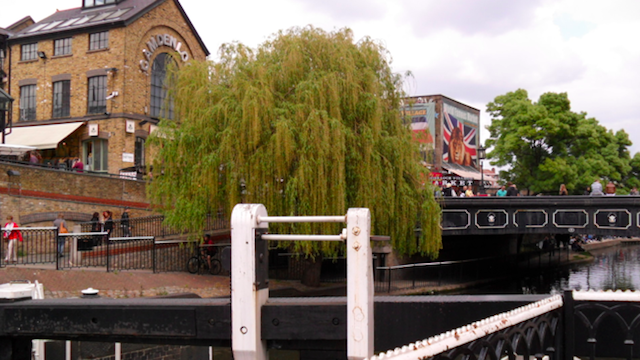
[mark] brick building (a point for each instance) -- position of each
(88, 83)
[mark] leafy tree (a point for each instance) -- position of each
(546, 144)
(306, 124)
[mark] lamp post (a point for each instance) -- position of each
(482, 154)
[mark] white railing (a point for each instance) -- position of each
(437, 344)
(248, 295)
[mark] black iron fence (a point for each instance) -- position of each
(153, 225)
(35, 245)
(408, 277)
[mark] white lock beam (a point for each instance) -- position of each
(247, 296)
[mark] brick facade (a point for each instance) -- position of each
(127, 42)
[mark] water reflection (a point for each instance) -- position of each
(614, 268)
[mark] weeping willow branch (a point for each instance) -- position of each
(306, 124)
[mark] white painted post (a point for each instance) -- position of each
(359, 285)
(246, 297)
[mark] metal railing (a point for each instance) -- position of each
(153, 225)
(390, 279)
(531, 331)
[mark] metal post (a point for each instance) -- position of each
(246, 297)
(569, 324)
(359, 285)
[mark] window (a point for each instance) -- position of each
(27, 102)
(160, 107)
(139, 153)
(61, 98)
(62, 47)
(97, 96)
(29, 52)
(95, 154)
(99, 40)
(93, 3)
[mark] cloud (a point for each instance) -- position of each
(469, 17)
(349, 11)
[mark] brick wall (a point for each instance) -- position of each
(36, 196)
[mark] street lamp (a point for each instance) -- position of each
(482, 154)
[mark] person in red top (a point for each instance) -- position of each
(11, 234)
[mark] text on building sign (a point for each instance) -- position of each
(161, 40)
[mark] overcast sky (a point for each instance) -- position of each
(468, 50)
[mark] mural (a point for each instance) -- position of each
(422, 116)
(460, 136)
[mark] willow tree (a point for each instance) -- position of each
(306, 124)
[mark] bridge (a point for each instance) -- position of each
(596, 215)
(355, 327)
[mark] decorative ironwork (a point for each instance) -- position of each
(570, 218)
(612, 218)
(494, 218)
(536, 218)
(455, 219)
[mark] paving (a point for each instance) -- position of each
(122, 284)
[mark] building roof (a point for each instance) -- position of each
(80, 19)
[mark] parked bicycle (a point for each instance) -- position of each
(199, 263)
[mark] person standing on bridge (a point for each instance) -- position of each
(512, 190)
(448, 191)
(563, 190)
(610, 189)
(634, 191)
(596, 188)
(502, 191)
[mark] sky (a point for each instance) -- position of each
(468, 50)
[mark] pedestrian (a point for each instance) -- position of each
(463, 192)
(124, 223)
(634, 191)
(610, 189)
(78, 165)
(61, 225)
(10, 235)
(469, 192)
(502, 191)
(512, 190)
(96, 227)
(448, 191)
(587, 191)
(563, 190)
(596, 188)
(108, 225)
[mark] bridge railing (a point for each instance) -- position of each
(530, 331)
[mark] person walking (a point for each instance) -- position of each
(448, 191)
(10, 235)
(502, 191)
(108, 225)
(61, 225)
(124, 223)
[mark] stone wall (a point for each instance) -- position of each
(36, 195)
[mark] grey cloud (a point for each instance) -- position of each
(469, 17)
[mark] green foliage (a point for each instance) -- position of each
(307, 124)
(546, 144)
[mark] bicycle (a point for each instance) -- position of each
(198, 263)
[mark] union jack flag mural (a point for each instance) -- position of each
(459, 141)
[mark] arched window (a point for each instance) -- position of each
(160, 107)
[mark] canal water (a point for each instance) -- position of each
(613, 268)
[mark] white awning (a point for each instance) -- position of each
(8, 149)
(41, 136)
(466, 172)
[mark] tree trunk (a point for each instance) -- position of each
(311, 269)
